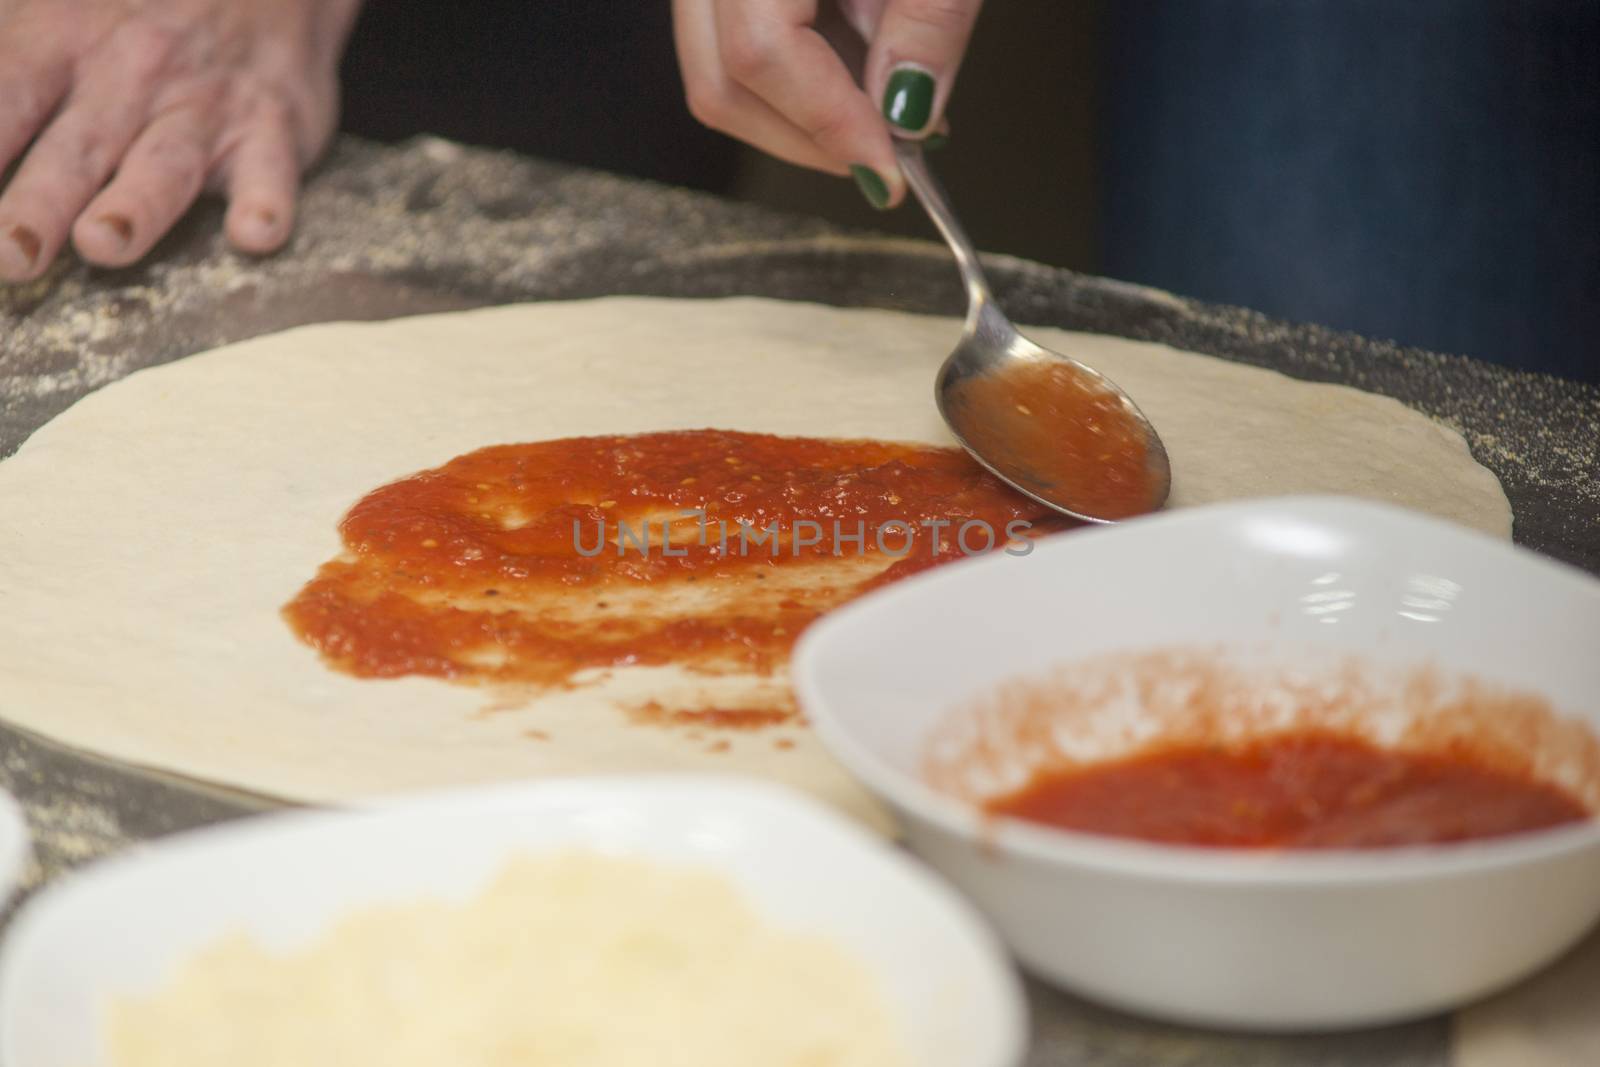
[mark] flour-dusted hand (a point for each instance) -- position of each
(123, 111)
(761, 71)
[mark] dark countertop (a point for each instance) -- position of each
(431, 226)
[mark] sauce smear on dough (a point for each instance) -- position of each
(1075, 439)
(1308, 789)
(531, 563)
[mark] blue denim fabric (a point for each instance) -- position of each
(1421, 170)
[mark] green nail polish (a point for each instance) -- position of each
(934, 141)
(908, 98)
(871, 186)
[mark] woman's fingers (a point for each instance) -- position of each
(159, 178)
(772, 50)
(30, 94)
(124, 112)
(915, 54)
(30, 89)
(722, 104)
(75, 155)
(760, 70)
(740, 113)
(35, 71)
(262, 175)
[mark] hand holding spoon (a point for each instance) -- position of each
(1043, 423)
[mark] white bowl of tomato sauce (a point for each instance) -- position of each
(1292, 764)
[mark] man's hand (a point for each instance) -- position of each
(761, 71)
(122, 111)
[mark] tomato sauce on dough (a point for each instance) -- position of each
(1306, 790)
(705, 549)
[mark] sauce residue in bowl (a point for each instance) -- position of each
(1303, 789)
(1267, 748)
(1058, 432)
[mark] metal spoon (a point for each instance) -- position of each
(991, 347)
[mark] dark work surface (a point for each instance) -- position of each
(432, 226)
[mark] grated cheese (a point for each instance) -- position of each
(572, 959)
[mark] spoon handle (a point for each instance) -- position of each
(931, 194)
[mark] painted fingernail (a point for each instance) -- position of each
(118, 226)
(872, 187)
(21, 252)
(908, 98)
(934, 141)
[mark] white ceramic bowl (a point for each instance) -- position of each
(119, 925)
(1229, 937)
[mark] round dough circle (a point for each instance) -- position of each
(150, 534)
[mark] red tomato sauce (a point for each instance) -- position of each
(1305, 790)
(530, 563)
(1075, 438)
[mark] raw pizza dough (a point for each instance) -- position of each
(150, 534)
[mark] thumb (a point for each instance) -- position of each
(914, 58)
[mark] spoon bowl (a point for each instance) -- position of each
(1047, 425)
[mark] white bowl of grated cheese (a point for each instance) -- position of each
(707, 915)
